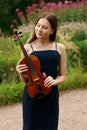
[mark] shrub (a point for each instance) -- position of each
(8, 59)
(9, 56)
(11, 93)
(76, 78)
(83, 52)
(79, 35)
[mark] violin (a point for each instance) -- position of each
(35, 83)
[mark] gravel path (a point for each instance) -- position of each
(73, 112)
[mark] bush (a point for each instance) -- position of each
(79, 35)
(9, 56)
(76, 78)
(7, 12)
(11, 93)
(83, 52)
(8, 59)
(72, 58)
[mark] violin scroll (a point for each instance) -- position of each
(17, 35)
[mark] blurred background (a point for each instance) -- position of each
(72, 32)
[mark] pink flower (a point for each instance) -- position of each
(38, 10)
(20, 13)
(34, 5)
(11, 26)
(28, 8)
(41, 1)
(14, 21)
(52, 6)
(60, 4)
(17, 10)
(66, 2)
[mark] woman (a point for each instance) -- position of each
(43, 114)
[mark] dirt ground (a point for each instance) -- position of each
(73, 112)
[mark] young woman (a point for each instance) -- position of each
(43, 114)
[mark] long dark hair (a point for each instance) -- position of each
(53, 22)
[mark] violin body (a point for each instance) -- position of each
(35, 84)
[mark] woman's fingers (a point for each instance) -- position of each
(21, 68)
(49, 81)
(44, 75)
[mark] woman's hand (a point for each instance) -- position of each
(49, 81)
(21, 68)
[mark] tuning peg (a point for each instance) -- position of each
(15, 31)
(21, 34)
(14, 38)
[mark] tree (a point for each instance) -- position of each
(7, 12)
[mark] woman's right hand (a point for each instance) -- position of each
(20, 68)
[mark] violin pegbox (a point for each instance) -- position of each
(20, 34)
(17, 35)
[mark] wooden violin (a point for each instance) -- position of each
(35, 84)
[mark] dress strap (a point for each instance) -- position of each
(31, 47)
(55, 45)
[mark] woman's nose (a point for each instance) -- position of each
(40, 28)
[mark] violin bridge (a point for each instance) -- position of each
(36, 79)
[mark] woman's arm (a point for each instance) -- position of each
(62, 69)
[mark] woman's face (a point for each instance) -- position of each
(43, 29)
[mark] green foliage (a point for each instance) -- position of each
(79, 35)
(7, 12)
(76, 78)
(72, 58)
(68, 14)
(9, 56)
(79, 38)
(11, 93)
(83, 52)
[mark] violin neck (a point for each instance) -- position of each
(28, 60)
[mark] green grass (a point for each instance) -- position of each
(11, 93)
(76, 78)
(9, 56)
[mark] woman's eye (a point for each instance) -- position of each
(44, 27)
(38, 25)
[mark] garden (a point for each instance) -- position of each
(72, 32)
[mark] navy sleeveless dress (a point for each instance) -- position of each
(42, 114)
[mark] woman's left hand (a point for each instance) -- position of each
(49, 82)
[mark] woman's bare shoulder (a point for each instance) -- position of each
(60, 47)
(28, 48)
(27, 45)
